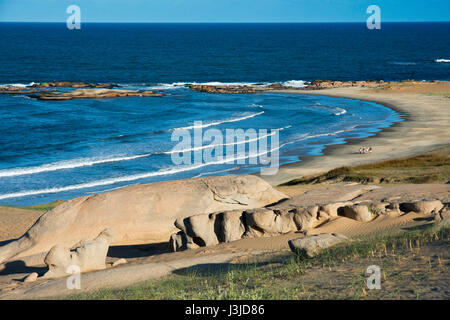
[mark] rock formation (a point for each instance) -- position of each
(87, 256)
(309, 246)
(32, 277)
(315, 85)
(238, 88)
(119, 262)
(140, 213)
(93, 94)
(210, 229)
(17, 90)
(358, 212)
(328, 84)
(70, 84)
(427, 207)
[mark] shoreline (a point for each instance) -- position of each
(421, 113)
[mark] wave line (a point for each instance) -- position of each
(211, 124)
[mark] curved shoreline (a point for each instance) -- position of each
(425, 127)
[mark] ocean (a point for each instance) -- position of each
(64, 149)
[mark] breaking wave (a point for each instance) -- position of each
(111, 181)
(216, 123)
(64, 165)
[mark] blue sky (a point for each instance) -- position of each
(224, 10)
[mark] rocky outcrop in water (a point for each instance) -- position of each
(209, 88)
(17, 90)
(315, 85)
(93, 94)
(227, 89)
(328, 84)
(238, 88)
(69, 84)
(88, 91)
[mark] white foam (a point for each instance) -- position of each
(335, 110)
(215, 172)
(226, 144)
(86, 162)
(20, 85)
(110, 181)
(311, 136)
(294, 83)
(400, 63)
(256, 105)
(167, 86)
(177, 85)
(63, 165)
(211, 124)
(442, 60)
(340, 111)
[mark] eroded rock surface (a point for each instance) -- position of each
(427, 207)
(93, 94)
(311, 245)
(211, 229)
(315, 85)
(88, 256)
(70, 84)
(358, 212)
(141, 213)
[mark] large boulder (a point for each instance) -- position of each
(233, 226)
(425, 207)
(311, 245)
(266, 223)
(207, 230)
(330, 210)
(358, 212)
(88, 256)
(140, 213)
(199, 229)
(306, 218)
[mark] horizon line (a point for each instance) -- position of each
(225, 22)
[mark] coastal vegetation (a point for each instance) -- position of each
(40, 207)
(414, 265)
(431, 167)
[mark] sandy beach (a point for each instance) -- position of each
(425, 128)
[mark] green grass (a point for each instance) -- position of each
(413, 264)
(433, 167)
(40, 207)
(439, 94)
